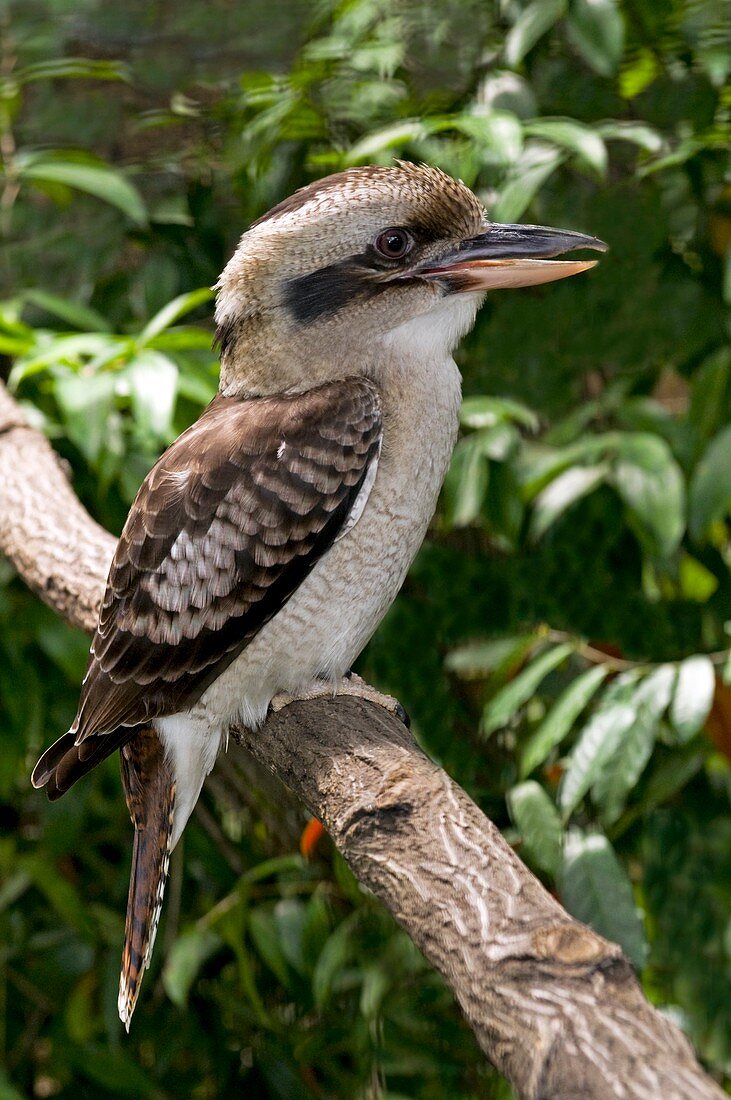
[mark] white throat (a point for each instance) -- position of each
(433, 336)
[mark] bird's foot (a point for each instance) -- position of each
(351, 684)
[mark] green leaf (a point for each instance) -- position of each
(560, 494)
(596, 29)
(708, 393)
(316, 928)
(95, 179)
(539, 464)
(74, 313)
(625, 766)
(376, 983)
(390, 137)
(277, 865)
(684, 151)
(637, 133)
(669, 776)
(524, 182)
(650, 482)
(487, 412)
(188, 954)
(477, 660)
(694, 580)
(15, 345)
(8, 1091)
(498, 443)
(655, 690)
(531, 25)
(501, 89)
(153, 383)
(498, 133)
(561, 717)
(332, 959)
(466, 483)
(199, 387)
(182, 338)
(172, 311)
(73, 350)
(12, 888)
(230, 920)
(710, 487)
(78, 67)
(639, 73)
(693, 697)
(86, 405)
(536, 819)
(585, 143)
(80, 1012)
(509, 699)
(598, 741)
(504, 510)
(595, 889)
(290, 915)
(265, 934)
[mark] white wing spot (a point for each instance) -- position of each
(281, 449)
(177, 476)
(362, 498)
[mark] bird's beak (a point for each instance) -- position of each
(511, 256)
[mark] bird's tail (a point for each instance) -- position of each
(150, 793)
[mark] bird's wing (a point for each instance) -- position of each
(224, 529)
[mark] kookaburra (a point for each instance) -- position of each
(266, 544)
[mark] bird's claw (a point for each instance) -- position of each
(352, 685)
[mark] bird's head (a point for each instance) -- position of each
(320, 285)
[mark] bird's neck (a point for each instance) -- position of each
(420, 387)
(264, 356)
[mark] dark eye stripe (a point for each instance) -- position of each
(323, 293)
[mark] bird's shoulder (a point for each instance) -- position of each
(248, 464)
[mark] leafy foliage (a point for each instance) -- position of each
(561, 643)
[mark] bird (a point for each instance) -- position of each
(266, 544)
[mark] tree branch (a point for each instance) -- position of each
(554, 1006)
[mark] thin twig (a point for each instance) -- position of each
(596, 656)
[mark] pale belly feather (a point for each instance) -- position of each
(332, 615)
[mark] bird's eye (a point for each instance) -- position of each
(393, 243)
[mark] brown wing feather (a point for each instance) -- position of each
(224, 529)
(65, 762)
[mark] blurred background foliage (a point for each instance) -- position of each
(562, 640)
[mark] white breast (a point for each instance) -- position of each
(332, 615)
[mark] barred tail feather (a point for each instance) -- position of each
(150, 794)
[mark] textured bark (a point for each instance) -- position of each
(53, 542)
(554, 1006)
